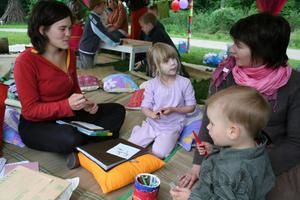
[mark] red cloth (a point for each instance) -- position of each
(76, 33)
(118, 18)
(271, 6)
(135, 26)
(44, 88)
(136, 99)
(3, 95)
(87, 80)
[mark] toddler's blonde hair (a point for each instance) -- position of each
(243, 105)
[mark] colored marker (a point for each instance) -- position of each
(199, 142)
(144, 180)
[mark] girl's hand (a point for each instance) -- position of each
(77, 101)
(91, 107)
(155, 115)
(167, 111)
(204, 148)
(179, 193)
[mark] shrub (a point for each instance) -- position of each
(294, 19)
(223, 19)
(201, 90)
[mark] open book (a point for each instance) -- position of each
(87, 128)
(110, 153)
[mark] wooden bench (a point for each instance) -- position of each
(129, 46)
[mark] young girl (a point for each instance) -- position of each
(167, 99)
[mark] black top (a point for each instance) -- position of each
(136, 4)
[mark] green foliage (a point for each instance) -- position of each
(294, 19)
(206, 5)
(30, 4)
(244, 4)
(201, 89)
(177, 22)
(222, 19)
(3, 4)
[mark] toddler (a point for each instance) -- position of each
(167, 99)
(239, 168)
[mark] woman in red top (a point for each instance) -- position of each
(46, 81)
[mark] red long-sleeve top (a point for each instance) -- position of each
(44, 88)
(118, 18)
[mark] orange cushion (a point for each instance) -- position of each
(122, 174)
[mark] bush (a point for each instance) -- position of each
(201, 90)
(177, 22)
(294, 19)
(223, 19)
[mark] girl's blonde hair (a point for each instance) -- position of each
(161, 53)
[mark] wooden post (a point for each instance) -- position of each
(190, 25)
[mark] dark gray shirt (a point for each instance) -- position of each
(239, 174)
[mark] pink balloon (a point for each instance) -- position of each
(183, 4)
(86, 3)
(175, 5)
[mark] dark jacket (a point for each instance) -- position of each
(283, 128)
(235, 174)
(94, 32)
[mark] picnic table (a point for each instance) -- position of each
(129, 46)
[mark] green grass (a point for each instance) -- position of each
(196, 54)
(13, 26)
(15, 37)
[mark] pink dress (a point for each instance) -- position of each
(166, 130)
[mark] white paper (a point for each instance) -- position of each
(66, 195)
(87, 125)
(123, 151)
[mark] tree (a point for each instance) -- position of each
(13, 13)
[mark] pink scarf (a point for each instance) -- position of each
(266, 80)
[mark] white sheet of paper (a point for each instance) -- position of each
(123, 151)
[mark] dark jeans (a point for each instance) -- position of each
(287, 186)
(53, 137)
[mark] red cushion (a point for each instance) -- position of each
(3, 95)
(136, 99)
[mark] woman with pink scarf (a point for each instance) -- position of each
(258, 59)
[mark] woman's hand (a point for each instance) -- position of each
(91, 107)
(204, 148)
(180, 193)
(77, 101)
(190, 177)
